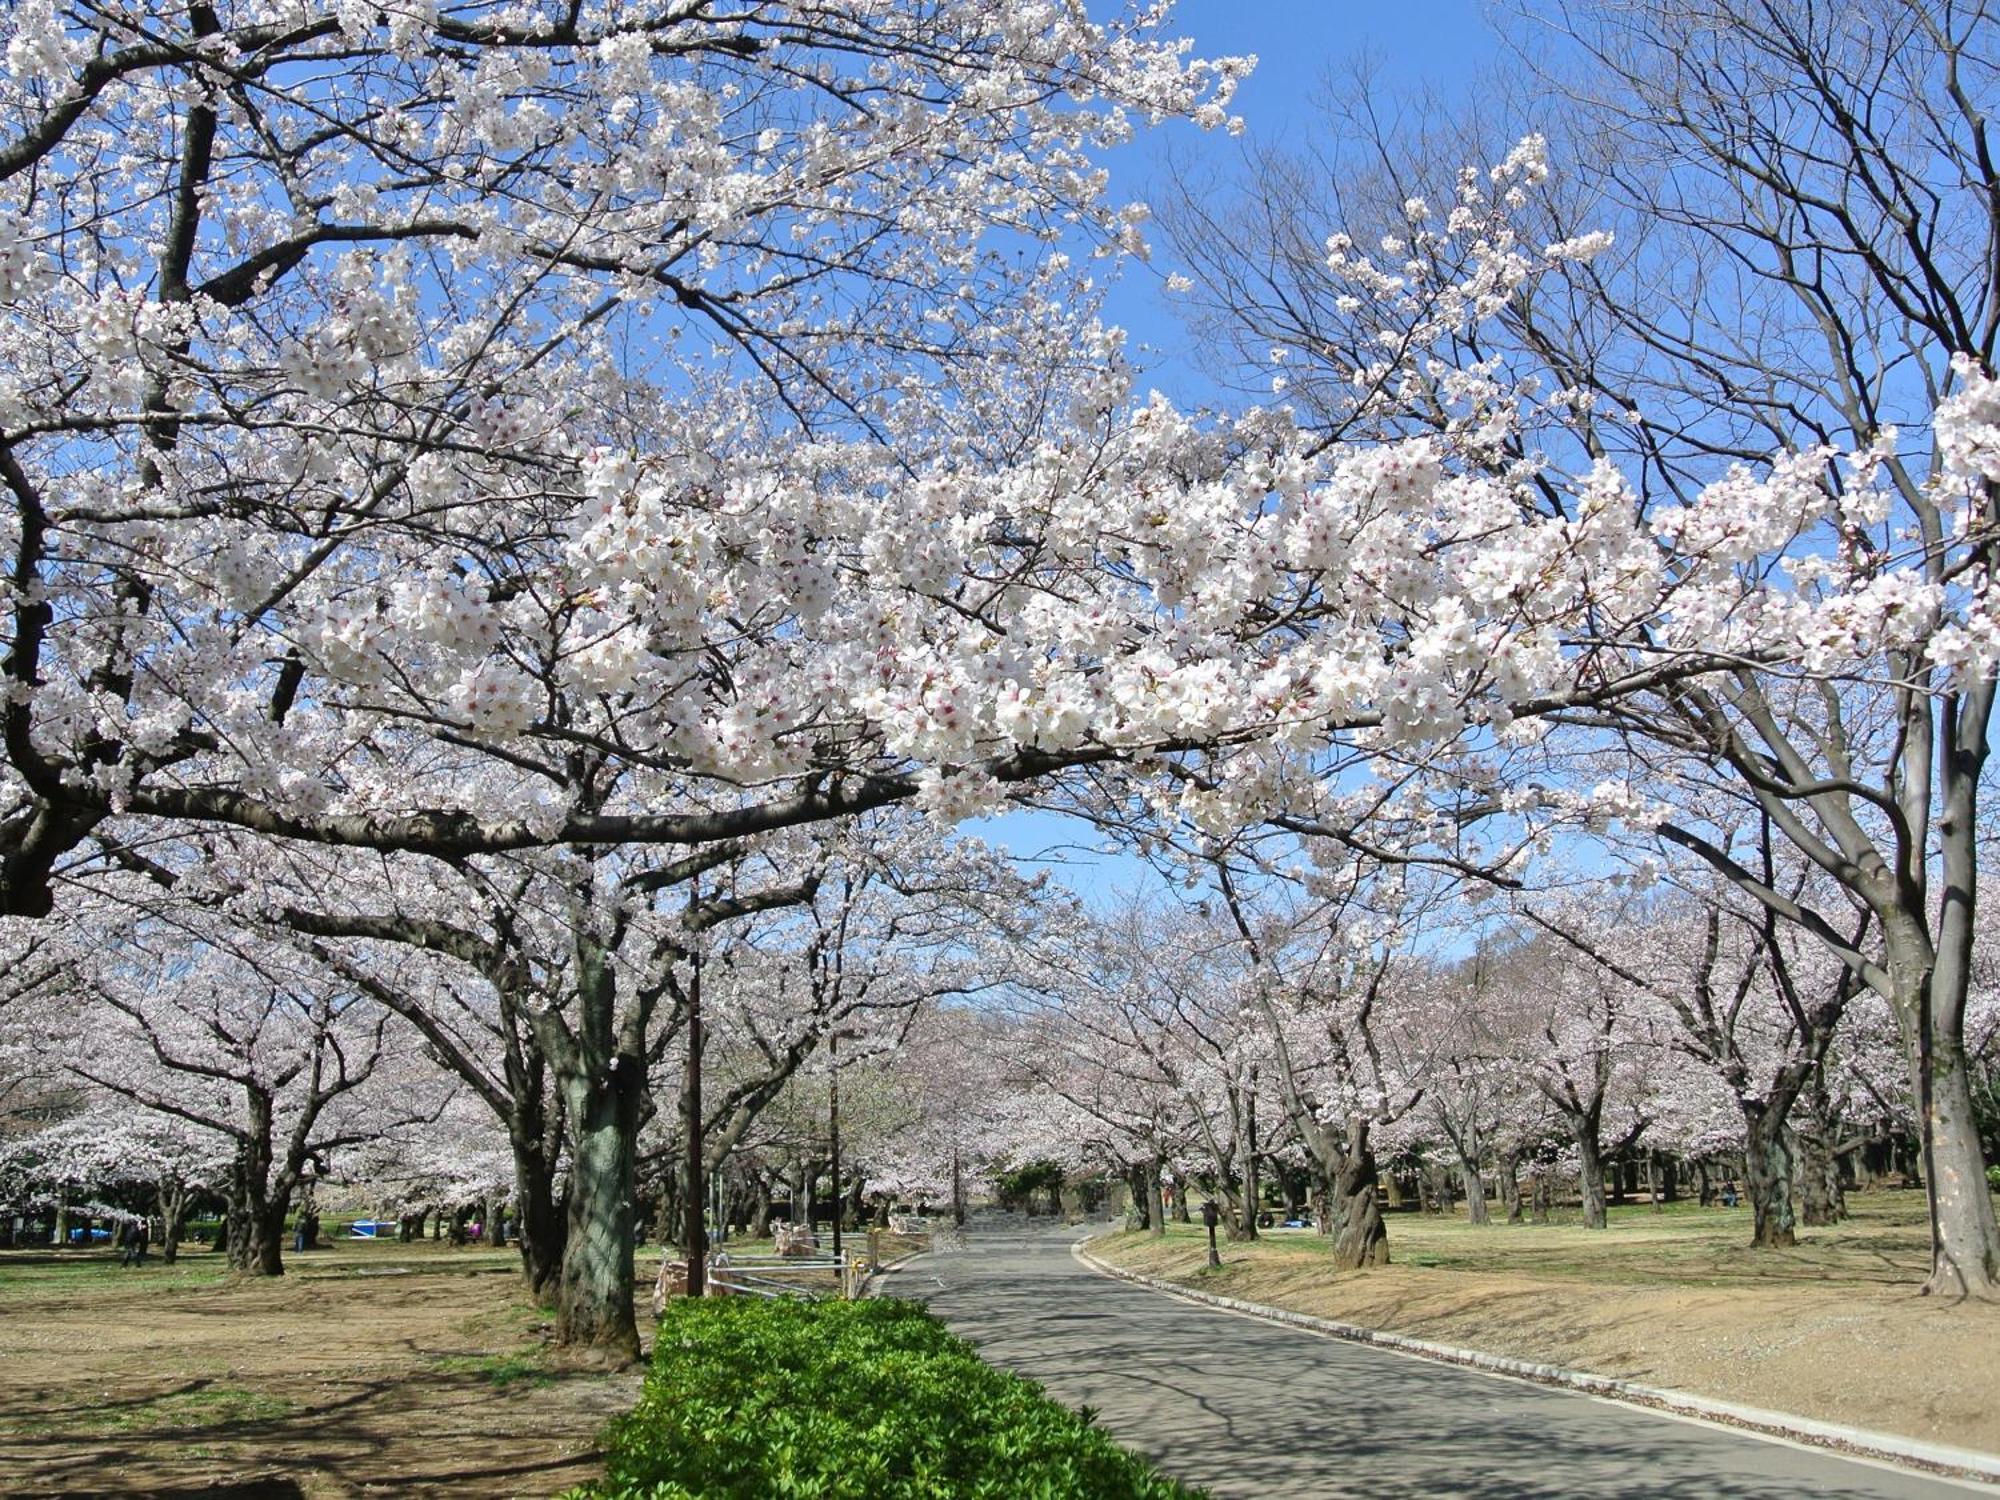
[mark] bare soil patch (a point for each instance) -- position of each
(1832, 1329)
(367, 1369)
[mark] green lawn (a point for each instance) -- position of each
(1885, 1240)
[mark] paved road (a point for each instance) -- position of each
(1243, 1407)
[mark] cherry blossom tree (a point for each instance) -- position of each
(248, 1042)
(1755, 1002)
(105, 1142)
(279, 416)
(618, 428)
(1770, 234)
(897, 919)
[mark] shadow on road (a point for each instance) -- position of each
(1243, 1407)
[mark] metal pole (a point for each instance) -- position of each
(833, 1127)
(694, 1232)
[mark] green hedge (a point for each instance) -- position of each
(873, 1400)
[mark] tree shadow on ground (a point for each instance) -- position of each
(415, 1431)
(1247, 1408)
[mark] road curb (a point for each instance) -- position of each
(1854, 1442)
(868, 1282)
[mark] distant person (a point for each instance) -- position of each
(1729, 1195)
(134, 1235)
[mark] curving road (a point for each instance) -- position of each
(1242, 1407)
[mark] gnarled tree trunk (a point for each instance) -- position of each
(1475, 1194)
(1590, 1164)
(595, 1323)
(1508, 1171)
(1767, 1161)
(1361, 1239)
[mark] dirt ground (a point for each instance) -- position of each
(367, 1369)
(1832, 1329)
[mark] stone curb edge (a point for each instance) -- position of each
(868, 1282)
(1857, 1442)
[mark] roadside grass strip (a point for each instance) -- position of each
(873, 1400)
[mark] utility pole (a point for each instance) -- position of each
(694, 1233)
(833, 1126)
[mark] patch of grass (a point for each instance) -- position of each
(522, 1367)
(1884, 1242)
(748, 1399)
(201, 1409)
(37, 1275)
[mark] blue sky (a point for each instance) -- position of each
(1297, 43)
(1415, 43)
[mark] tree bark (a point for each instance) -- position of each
(1767, 1161)
(173, 1197)
(1362, 1239)
(1818, 1177)
(256, 1239)
(1965, 1250)
(1475, 1194)
(1246, 1223)
(1590, 1160)
(1138, 1200)
(595, 1324)
(1510, 1185)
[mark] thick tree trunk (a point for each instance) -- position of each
(1818, 1177)
(1965, 1248)
(1767, 1160)
(540, 1224)
(1138, 1200)
(760, 1209)
(1156, 1200)
(1510, 1185)
(173, 1220)
(1475, 1194)
(1246, 1223)
(1362, 1239)
(595, 1324)
(1590, 1161)
(256, 1239)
